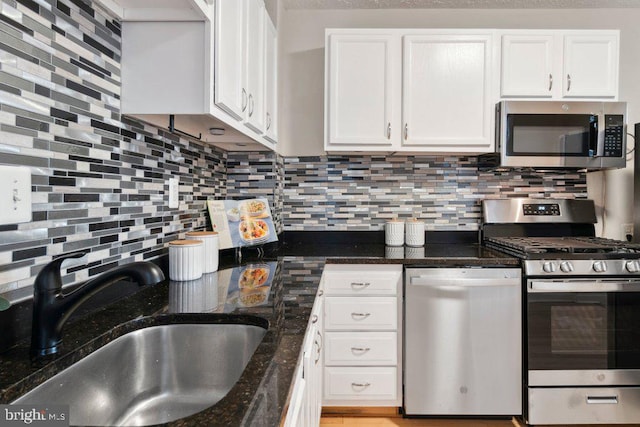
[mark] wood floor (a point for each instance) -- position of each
(388, 417)
(388, 421)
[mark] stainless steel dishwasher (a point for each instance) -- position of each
(462, 343)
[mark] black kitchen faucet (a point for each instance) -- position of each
(52, 308)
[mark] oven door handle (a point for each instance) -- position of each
(602, 400)
(534, 286)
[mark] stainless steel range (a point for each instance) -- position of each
(581, 297)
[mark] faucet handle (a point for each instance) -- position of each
(49, 278)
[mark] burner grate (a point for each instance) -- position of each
(521, 246)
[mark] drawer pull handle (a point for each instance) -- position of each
(362, 315)
(360, 284)
(360, 349)
(360, 384)
(602, 400)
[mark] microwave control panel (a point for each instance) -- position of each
(613, 135)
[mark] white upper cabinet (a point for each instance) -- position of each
(363, 99)
(591, 65)
(240, 60)
(446, 92)
(230, 92)
(271, 80)
(528, 66)
(216, 77)
(408, 90)
(560, 64)
(255, 65)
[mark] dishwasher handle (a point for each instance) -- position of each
(462, 282)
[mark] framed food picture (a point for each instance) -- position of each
(242, 222)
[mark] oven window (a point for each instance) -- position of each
(562, 135)
(579, 329)
(583, 331)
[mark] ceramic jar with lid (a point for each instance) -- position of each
(185, 259)
(394, 233)
(210, 255)
(414, 233)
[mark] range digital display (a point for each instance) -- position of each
(541, 209)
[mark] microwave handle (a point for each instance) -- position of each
(596, 138)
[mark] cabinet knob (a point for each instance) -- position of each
(550, 82)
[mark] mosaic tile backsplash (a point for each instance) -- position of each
(363, 192)
(99, 179)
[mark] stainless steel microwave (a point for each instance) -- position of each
(557, 134)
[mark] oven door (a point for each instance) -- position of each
(583, 332)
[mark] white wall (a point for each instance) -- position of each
(301, 45)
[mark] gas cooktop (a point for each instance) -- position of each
(525, 247)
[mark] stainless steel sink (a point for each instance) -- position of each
(152, 375)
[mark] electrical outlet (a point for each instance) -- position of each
(627, 231)
(174, 193)
(15, 194)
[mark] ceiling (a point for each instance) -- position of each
(459, 4)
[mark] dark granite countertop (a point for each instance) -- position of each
(260, 396)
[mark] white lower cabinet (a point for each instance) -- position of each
(305, 402)
(361, 348)
(362, 345)
(355, 385)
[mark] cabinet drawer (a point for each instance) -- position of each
(348, 313)
(360, 383)
(361, 348)
(362, 279)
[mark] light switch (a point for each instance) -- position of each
(174, 193)
(15, 194)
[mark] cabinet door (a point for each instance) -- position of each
(313, 365)
(255, 65)
(230, 92)
(296, 414)
(446, 94)
(271, 88)
(527, 66)
(363, 92)
(590, 65)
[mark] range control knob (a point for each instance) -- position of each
(599, 266)
(633, 266)
(549, 267)
(566, 266)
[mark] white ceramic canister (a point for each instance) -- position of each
(210, 240)
(414, 233)
(394, 233)
(185, 259)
